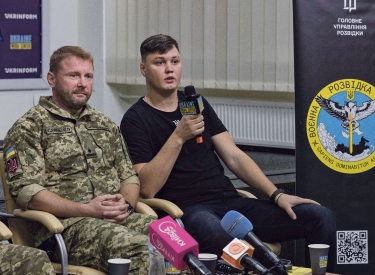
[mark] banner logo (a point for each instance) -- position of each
(20, 42)
(350, 5)
(340, 126)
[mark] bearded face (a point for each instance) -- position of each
(72, 84)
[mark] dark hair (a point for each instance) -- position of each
(159, 43)
(67, 51)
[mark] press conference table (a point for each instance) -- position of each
(303, 271)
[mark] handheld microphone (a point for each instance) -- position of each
(238, 226)
(239, 255)
(176, 245)
(192, 105)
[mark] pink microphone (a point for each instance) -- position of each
(176, 245)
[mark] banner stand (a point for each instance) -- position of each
(334, 44)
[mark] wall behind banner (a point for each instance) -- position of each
(89, 23)
(335, 118)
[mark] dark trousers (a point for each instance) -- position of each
(314, 223)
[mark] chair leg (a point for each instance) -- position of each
(64, 254)
(180, 223)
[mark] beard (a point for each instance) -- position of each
(68, 101)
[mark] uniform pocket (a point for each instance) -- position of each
(61, 148)
(105, 140)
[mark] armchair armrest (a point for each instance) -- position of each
(48, 220)
(169, 207)
(245, 194)
(53, 225)
(145, 209)
(5, 233)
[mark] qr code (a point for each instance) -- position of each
(352, 247)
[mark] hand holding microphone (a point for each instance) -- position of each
(176, 245)
(189, 127)
(238, 226)
(192, 105)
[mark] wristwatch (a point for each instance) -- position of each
(130, 208)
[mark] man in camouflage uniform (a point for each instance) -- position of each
(68, 159)
(16, 259)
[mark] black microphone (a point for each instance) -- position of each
(238, 226)
(192, 105)
(196, 265)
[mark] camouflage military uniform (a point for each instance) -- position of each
(16, 259)
(78, 159)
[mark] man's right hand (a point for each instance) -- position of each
(189, 126)
(111, 208)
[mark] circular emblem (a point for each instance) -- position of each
(236, 248)
(340, 126)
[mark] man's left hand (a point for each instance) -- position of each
(119, 213)
(287, 202)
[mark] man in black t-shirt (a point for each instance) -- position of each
(172, 165)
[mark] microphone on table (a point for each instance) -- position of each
(192, 105)
(238, 254)
(231, 251)
(238, 226)
(176, 245)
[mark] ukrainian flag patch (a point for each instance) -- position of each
(10, 152)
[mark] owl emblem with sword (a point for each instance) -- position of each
(350, 113)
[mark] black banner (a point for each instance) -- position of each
(334, 44)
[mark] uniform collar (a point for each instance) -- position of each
(45, 102)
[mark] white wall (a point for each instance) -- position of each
(91, 24)
(72, 22)
(224, 44)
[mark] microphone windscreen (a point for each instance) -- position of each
(234, 252)
(189, 90)
(236, 224)
(172, 241)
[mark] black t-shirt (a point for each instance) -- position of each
(197, 175)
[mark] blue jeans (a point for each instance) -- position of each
(314, 223)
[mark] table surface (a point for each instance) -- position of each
(311, 273)
(303, 271)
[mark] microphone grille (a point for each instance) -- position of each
(189, 90)
(236, 224)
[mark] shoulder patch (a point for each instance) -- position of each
(12, 162)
